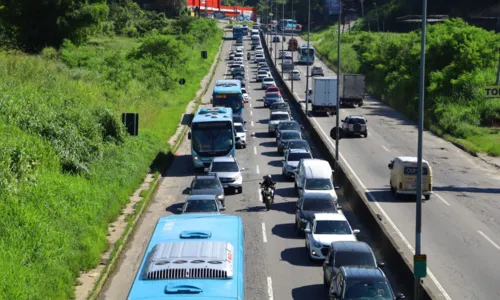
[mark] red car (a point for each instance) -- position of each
(273, 89)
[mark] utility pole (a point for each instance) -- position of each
(293, 52)
(337, 121)
(498, 71)
(282, 40)
(307, 68)
(419, 260)
(276, 45)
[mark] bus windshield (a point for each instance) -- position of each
(212, 138)
(229, 100)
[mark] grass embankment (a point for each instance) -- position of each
(460, 60)
(66, 166)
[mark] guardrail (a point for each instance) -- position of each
(400, 267)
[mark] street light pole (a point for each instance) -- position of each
(293, 66)
(337, 133)
(276, 45)
(307, 67)
(418, 219)
(282, 49)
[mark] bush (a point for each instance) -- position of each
(67, 167)
(460, 60)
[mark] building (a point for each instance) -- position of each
(215, 8)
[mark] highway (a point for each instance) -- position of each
(461, 221)
(276, 262)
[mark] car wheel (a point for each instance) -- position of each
(366, 134)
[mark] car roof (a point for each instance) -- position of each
(351, 246)
(268, 78)
(298, 151)
(356, 116)
(272, 86)
(286, 122)
(329, 217)
(297, 140)
(238, 124)
(223, 159)
(369, 273)
(288, 131)
(410, 159)
(203, 177)
(279, 113)
(201, 197)
(273, 94)
(314, 168)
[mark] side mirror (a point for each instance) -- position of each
(245, 130)
(222, 209)
(326, 263)
(205, 170)
(339, 207)
(301, 127)
(242, 169)
(356, 231)
(390, 166)
(283, 159)
(189, 135)
(307, 230)
(342, 121)
(336, 187)
(244, 122)
(179, 209)
(400, 296)
(334, 295)
(381, 264)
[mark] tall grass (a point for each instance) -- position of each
(461, 59)
(67, 167)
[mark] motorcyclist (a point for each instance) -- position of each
(268, 182)
(248, 55)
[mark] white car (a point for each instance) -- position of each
(323, 230)
(239, 48)
(241, 135)
(257, 57)
(262, 74)
(261, 52)
(246, 97)
(295, 75)
(267, 81)
(228, 171)
(275, 118)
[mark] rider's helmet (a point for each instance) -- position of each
(268, 177)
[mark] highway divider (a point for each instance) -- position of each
(401, 267)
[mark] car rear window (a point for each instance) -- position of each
(291, 135)
(298, 156)
(207, 184)
(275, 117)
(318, 204)
(354, 121)
(350, 258)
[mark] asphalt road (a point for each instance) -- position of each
(277, 266)
(461, 221)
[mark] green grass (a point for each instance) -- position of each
(460, 60)
(66, 166)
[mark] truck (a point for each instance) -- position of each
(352, 87)
(324, 95)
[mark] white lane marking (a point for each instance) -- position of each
(255, 150)
(385, 148)
(264, 237)
(372, 198)
(257, 169)
(250, 104)
(270, 288)
(489, 240)
(260, 195)
(251, 112)
(442, 199)
(252, 123)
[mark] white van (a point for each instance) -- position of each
(314, 176)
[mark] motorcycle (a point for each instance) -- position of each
(267, 195)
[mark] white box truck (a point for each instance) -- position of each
(324, 95)
(352, 87)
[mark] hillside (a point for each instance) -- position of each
(67, 167)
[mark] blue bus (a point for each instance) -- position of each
(238, 32)
(306, 54)
(212, 134)
(194, 256)
(227, 93)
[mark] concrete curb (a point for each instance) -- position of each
(399, 264)
(122, 242)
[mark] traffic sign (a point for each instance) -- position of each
(204, 54)
(182, 81)
(420, 265)
(492, 91)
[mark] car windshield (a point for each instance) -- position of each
(287, 125)
(201, 184)
(349, 258)
(243, 91)
(200, 206)
(318, 184)
(262, 73)
(268, 79)
(239, 128)
(272, 96)
(290, 135)
(298, 156)
(363, 289)
(318, 204)
(223, 166)
(354, 121)
(332, 227)
(276, 117)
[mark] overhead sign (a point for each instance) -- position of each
(492, 91)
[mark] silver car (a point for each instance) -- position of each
(285, 136)
(228, 171)
(275, 118)
(201, 204)
(207, 185)
(291, 161)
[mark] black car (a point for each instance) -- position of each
(361, 283)
(311, 203)
(207, 185)
(285, 136)
(276, 39)
(237, 118)
(286, 125)
(238, 71)
(241, 79)
(347, 254)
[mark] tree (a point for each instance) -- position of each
(33, 25)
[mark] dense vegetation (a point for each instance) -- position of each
(66, 165)
(461, 59)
